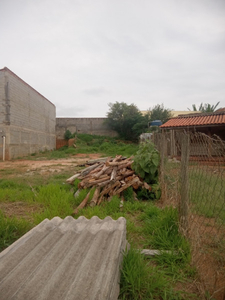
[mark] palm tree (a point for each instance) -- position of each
(204, 108)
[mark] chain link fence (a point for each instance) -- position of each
(192, 179)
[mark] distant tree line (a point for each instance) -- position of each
(129, 122)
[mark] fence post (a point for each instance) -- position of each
(184, 201)
(162, 159)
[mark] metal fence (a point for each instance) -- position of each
(193, 180)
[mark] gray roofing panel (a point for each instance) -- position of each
(65, 259)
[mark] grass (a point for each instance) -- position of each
(147, 225)
(206, 188)
(86, 143)
(11, 229)
(207, 192)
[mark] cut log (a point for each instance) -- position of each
(100, 200)
(97, 175)
(136, 179)
(98, 160)
(88, 170)
(95, 197)
(119, 162)
(102, 184)
(147, 187)
(72, 178)
(109, 188)
(113, 174)
(95, 182)
(126, 165)
(82, 204)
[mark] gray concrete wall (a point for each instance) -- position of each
(27, 118)
(83, 125)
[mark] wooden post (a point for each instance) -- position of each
(172, 143)
(184, 201)
(162, 159)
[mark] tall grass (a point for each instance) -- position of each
(12, 191)
(56, 201)
(140, 280)
(207, 192)
(86, 143)
(11, 229)
(161, 230)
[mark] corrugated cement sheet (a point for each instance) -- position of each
(65, 259)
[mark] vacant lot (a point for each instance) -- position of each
(32, 190)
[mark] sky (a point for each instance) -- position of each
(84, 54)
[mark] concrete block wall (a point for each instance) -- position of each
(27, 118)
(83, 125)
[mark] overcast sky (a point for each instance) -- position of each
(84, 54)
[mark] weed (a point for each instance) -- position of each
(11, 229)
(142, 281)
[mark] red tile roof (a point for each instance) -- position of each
(201, 119)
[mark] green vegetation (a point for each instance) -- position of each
(87, 143)
(11, 229)
(207, 193)
(147, 225)
(204, 108)
(159, 112)
(129, 122)
(146, 165)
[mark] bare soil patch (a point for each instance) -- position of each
(44, 166)
(19, 209)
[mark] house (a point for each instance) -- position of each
(208, 123)
(207, 133)
(27, 119)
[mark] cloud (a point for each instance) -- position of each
(82, 55)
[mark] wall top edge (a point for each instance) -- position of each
(5, 69)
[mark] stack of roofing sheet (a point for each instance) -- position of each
(65, 259)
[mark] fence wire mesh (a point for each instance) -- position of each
(192, 179)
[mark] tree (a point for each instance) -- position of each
(205, 108)
(126, 119)
(159, 112)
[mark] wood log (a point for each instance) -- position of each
(127, 173)
(119, 163)
(108, 171)
(97, 175)
(95, 197)
(136, 179)
(95, 182)
(88, 170)
(82, 204)
(98, 160)
(100, 200)
(72, 178)
(146, 186)
(117, 158)
(102, 184)
(126, 165)
(113, 174)
(99, 168)
(107, 189)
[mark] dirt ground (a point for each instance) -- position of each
(47, 166)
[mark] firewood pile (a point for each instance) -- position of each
(109, 177)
